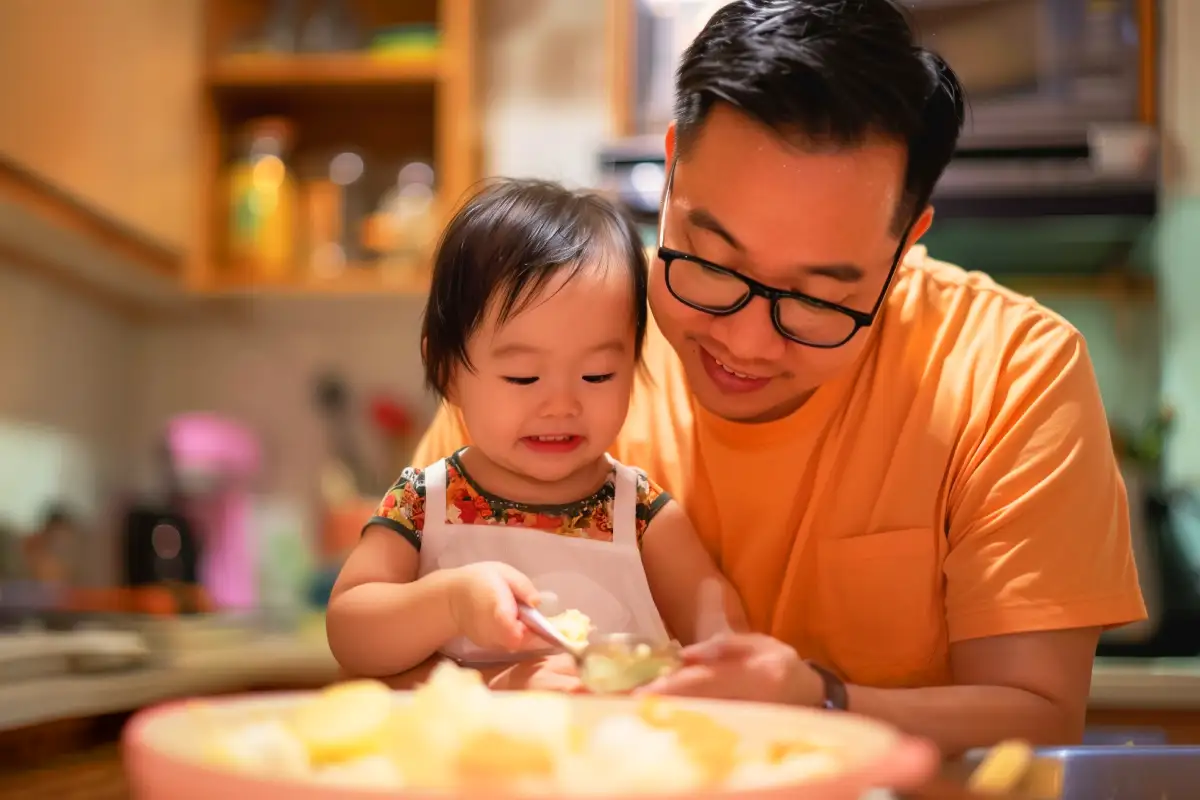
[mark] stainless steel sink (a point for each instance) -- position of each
(1121, 772)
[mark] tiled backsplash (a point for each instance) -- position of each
(257, 362)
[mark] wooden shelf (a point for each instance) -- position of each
(354, 281)
(349, 70)
(389, 108)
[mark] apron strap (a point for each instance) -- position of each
(624, 518)
(435, 498)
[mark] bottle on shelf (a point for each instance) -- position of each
(263, 201)
(334, 208)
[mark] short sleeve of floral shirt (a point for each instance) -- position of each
(403, 508)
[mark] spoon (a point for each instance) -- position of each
(609, 663)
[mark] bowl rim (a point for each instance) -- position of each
(139, 749)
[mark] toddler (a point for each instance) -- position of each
(533, 331)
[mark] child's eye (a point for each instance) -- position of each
(608, 376)
(520, 381)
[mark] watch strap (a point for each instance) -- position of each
(837, 698)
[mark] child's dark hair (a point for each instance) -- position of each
(503, 246)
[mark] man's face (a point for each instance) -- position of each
(819, 221)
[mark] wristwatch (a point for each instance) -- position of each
(836, 696)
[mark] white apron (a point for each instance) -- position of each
(604, 580)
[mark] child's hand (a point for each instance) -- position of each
(484, 604)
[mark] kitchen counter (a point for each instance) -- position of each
(278, 660)
(1163, 683)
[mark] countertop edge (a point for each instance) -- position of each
(226, 669)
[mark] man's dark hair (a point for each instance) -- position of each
(505, 245)
(832, 72)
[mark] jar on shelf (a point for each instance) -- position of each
(404, 223)
(335, 204)
(263, 201)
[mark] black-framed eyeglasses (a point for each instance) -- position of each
(798, 317)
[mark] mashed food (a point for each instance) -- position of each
(573, 624)
(453, 733)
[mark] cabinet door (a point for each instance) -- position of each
(102, 100)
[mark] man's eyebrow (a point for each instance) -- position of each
(843, 273)
(706, 221)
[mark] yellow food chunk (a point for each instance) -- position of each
(1002, 768)
(711, 745)
(492, 758)
(778, 752)
(345, 721)
(265, 747)
(573, 624)
(371, 772)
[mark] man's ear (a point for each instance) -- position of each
(669, 143)
(919, 227)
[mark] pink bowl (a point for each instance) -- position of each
(160, 746)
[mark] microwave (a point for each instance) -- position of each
(1045, 71)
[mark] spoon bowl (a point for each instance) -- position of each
(609, 663)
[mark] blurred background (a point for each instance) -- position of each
(215, 226)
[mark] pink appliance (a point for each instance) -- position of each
(214, 460)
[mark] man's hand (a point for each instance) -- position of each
(555, 673)
(745, 666)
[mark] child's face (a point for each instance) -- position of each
(551, 386)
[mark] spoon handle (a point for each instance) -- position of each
(536, 621)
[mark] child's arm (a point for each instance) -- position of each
(694, 598)
(382, 620)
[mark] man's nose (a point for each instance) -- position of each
(750, 334)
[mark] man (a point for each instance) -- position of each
(903, 468)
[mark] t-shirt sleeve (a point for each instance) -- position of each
(402, 509)
(650, 500)
(1038, 517)
(445, 436)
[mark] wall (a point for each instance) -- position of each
(1179, 265)
(257, 361)
(69, 369)
(545, 88)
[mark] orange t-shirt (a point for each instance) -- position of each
(958, 482)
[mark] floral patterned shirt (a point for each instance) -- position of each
(403, 507)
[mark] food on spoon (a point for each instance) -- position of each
(573, 624)
(618, 669)
(452, 734)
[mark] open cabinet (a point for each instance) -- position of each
(336, 137)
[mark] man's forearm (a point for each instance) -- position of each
(958, 718)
